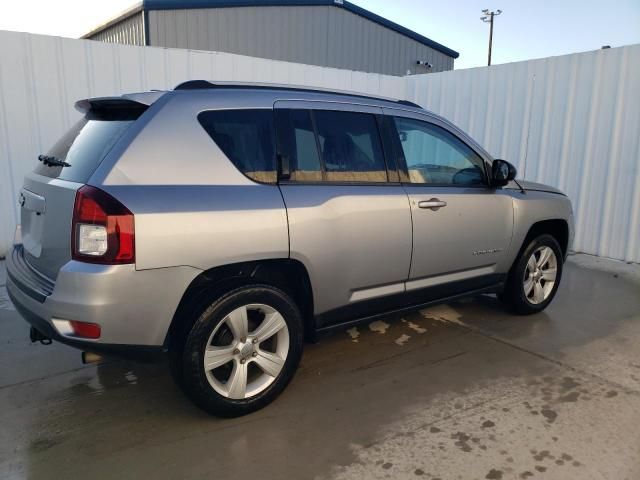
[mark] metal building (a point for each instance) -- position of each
(329, 33)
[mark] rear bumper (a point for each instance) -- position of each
(36, 286)
(138, 352)
(133, 308)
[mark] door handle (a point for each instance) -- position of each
(432, 204)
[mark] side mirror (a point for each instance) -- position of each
(502, 172)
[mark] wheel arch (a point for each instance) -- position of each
(557, 228)
(289, 275)
(512, 295)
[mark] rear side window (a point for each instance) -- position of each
(331, 146)
(246, 137)
(298, 142)
(350, 146)
(86, 144)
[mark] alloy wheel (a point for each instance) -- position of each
(540, 275)
(246, 351)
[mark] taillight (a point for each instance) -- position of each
(72, 328)
(102, 229)
(85, 329)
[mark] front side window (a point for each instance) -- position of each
(435, 156)
(246, 137)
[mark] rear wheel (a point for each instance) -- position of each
(534, 278)
(242, 351)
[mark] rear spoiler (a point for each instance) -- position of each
(133, 101)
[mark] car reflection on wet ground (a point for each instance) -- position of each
(463, 390)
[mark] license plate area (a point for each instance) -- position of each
(32, 219)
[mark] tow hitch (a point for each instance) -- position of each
(36, 336)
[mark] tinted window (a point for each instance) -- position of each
(246, 138)
(436, 156)
(85, 145)
(304, 159)
(350, 145)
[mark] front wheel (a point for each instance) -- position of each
(242, 351)
(533, 280)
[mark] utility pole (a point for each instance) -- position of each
(488, 18)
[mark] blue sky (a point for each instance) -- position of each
(526, 29)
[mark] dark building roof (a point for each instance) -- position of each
(187, 4)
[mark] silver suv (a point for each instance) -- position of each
(226, 224)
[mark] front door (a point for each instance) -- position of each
(461, 227)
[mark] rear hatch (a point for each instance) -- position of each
(48, 195)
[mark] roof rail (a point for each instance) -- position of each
(409, 104)
(206, 84)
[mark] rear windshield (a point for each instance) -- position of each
(86, 144)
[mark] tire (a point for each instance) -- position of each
(532, 283)
(253, 339)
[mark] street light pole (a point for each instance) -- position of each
(488, 18)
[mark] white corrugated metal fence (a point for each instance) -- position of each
(570, 121)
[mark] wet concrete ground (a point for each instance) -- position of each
(459, 391)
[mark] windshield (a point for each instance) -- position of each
(85, 145)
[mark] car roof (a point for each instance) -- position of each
(276, 91)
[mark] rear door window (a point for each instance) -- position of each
(246, 137)
(297, 142)
(350, 146)
(86, 144)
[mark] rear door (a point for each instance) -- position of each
(349, 223)
(461, 226)
(48, 194)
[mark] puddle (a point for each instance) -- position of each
(379, 327)
(354, 334)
